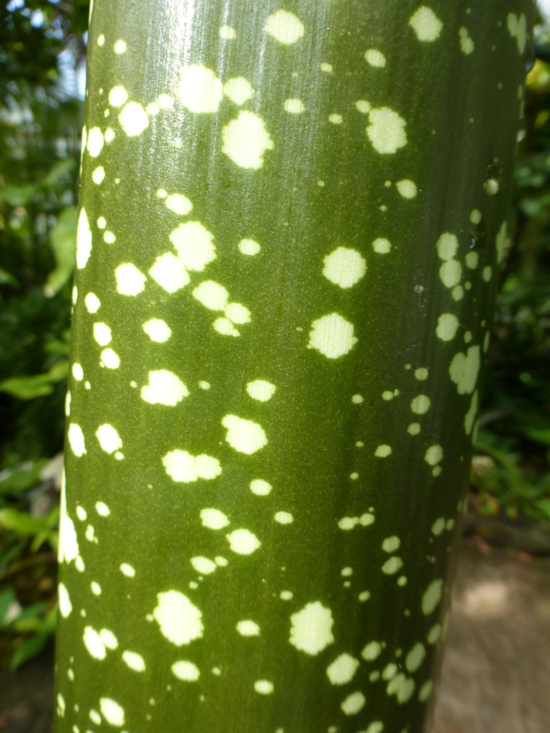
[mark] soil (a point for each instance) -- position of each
(496, 666)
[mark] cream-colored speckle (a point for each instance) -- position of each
(286, 595)
(200, 90)
(102, 334)
(239, 90)
(76, 440)
(466, 44)
(108, 437)
(450, 273)
(95, 142)
(357, 399)
(214, 519)
(434, 634)
(77, 371)
(127, 570)
(183, 467)
(457, 293)
(432, 597)
(421, 374)
(157, 330)
(169, 272)
(260, 487)
(363, 106)
(129, 280)
(83, 240)
(425, 691)
(383, 451)
(101, 40)
(245, 140)
(109, 237)
(353, 703)
(475, 216)
(212, 295)
(134, 119)
(344, 267)
(261, 390)
(415, 657)
(434, 455)
(109, 135)
(491, 186)
(407, 188)
(186, 671)
(472, 260)
(98, 175)
(420, 404)
(110, 359)
(342, 670)
(203, 565)
(101, 222)
(263, 687)
(311, 628)
(95, 588)
(110, 709)
(249, 247)
(65, 605)
(164, 388)
(372, 651)
(426, 24)
(391, 544)
(294, 106)
(386, 130)
(237, 313)
(285, 27)
(178, 203)
(392, 566)
(120, 47)
(464, 370)
(94, 643)
(134, 661)
(118, 96)
(517, 27)
(332, 335)
(102, 509)
(179, 620)
(283, 517)
(327, 68)
(487, 273)
(194, 245)
(227, 33)
(243, 542)
(447, 326)
(245, 436)
(375, 58)
(224, 327)
(335, 118)
(381, 246)
(248, 628)
(165, 101)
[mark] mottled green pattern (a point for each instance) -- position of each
(292, 219)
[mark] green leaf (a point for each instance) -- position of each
(27, 388)
(28, 649)
(58, 172)
(6, 278)
(7, 597)
(24, 524)
(63, 244)
(17, 195)
(21, 478)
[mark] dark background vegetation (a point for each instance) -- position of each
(42, 50)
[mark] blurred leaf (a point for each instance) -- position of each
(28, 649)
(27, 388)
(23, 477)
(7, 278)
(63, 243)
(539, 435)
(7, 598)
(543, 505)
(17, 195)
(60, 170)
(25, 524)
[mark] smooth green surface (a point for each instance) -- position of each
(366, 150)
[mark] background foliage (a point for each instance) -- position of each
(42, 49)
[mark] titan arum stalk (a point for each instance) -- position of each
(292, 218)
